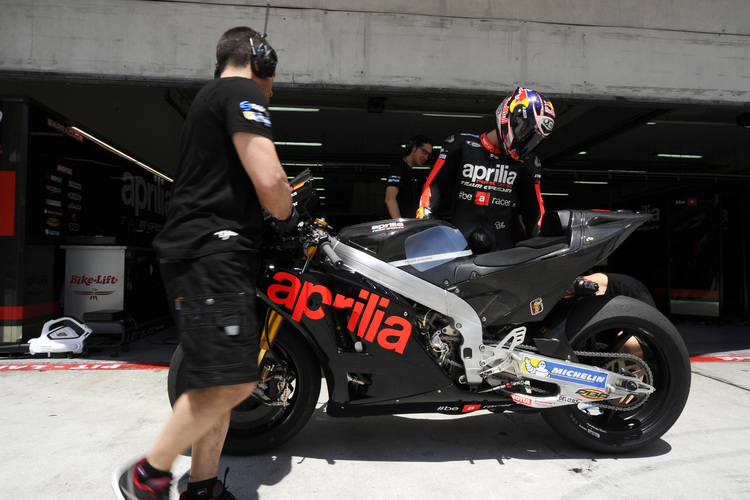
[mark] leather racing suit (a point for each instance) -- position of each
(488, 191)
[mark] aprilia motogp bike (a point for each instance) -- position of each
(400, 317)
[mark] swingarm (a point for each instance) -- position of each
(577, 382)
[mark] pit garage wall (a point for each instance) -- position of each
(62, 193)
(668, 51)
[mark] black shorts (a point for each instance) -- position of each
(213, 304)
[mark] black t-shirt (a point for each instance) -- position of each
(401, 176)
(487, 191)
(214, 207)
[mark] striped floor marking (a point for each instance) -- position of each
(84, 367)
(708, 358)
(160, 365)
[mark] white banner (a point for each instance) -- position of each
(94, 279)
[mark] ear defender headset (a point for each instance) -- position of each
(263, 58)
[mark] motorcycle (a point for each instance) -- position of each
(400, 317)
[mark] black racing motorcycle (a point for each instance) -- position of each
(400, 317)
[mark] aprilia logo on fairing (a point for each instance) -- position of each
(391, 332)
(480, 173)
(387, 226)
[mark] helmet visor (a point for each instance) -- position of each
(526, 137)
(529, 143)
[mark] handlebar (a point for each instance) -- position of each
(336, 261)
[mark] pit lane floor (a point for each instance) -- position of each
(67, 423)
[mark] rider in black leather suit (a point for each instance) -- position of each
(493, 179)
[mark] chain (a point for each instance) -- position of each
(633, 357)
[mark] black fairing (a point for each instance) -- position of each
(516, 285)
(361, 329)
(334, 308)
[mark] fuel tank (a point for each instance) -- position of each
(418, 246)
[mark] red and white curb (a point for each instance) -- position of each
(161, 365)
(708, 358)
(83, 367)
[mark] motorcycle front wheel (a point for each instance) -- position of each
(625, 325)
(255, 426)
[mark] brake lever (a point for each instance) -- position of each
(306, 249)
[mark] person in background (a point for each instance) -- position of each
(491, 181)
(403, 186)
(228, 173)
(613, 284)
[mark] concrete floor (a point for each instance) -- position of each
(65, 430)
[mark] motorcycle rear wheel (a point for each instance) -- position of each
(256, 427)
(663, 350)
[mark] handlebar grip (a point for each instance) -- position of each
(336, 261)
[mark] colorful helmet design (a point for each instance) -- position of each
(524, 119)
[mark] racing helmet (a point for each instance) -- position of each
(524, 119)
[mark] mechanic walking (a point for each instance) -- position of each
(228, 172)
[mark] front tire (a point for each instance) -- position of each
(608, 325)
(256, 427)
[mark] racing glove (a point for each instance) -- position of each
(289, 224)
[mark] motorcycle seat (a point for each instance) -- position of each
(542, 241)
(516, 255)
(554, 235)
(554, 229)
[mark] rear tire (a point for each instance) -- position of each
(614, 431)
(256, 427)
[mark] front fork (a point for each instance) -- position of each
(274, 320)
(272, 388)
(268, 335)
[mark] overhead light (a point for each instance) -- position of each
(629, 172)
(120, 153)
(590, 182)
(582, 152)
(555, 194)
(298, 110)
(681, 156)
(451, 115)
(313, 144)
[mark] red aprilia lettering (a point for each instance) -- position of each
(368, 317)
